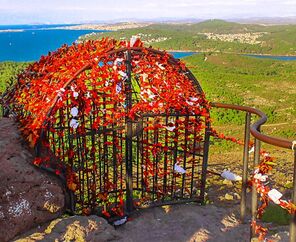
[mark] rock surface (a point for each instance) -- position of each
(76, 228)
(29, 196)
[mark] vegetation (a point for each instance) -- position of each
(276, 40)
(263, 83)
(226, 77)
(8, 72)
(276, 214)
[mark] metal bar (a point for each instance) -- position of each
(105, 147)
(70, 160)
(151, 115)
(155, 163)
(205, 162)
(293, 219)
(254, 191)
(138, 160)
(245, 168)
(255, 128)
(165, 159)
(172, 202)
(179, 150)
(193, 157)
(146, 159)
(175, 155)
(114, 156)
(93, 157)
(171, 60)
(185, 154)
(85, 162)
(121, 168)
(128, 140)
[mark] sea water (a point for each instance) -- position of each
(34, 41)
(30, 42)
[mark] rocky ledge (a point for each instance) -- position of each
(29, 196)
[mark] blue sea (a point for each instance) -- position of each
(180, 54)
(34, 41)
(283, 58)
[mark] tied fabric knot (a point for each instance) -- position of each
(179, 169)
(228, 175)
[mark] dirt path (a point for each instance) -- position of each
(192, 223)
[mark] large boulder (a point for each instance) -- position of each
(29, 196)
(76, 228)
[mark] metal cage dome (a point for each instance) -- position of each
(124, 125)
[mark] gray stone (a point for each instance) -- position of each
(76, 228)
(29, 196)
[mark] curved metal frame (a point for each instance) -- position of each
(189, 75)
(141, 49)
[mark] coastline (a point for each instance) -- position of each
(110, 27)
(11, 30)
(223, 52)
(129, 25)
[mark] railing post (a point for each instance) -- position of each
(205, 162)
(293, 219)
(254, 191)
(245, 168)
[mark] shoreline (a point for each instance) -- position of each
(11, 30)
(110, 27)
(252, 54)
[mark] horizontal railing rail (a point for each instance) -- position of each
(254, 129)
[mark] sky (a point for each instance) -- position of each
(78, 11)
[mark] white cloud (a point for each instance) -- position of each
(89, 10)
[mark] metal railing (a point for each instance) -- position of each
(254, 129)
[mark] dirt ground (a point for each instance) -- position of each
(219, 219)
(192, 223)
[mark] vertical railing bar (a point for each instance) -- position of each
(128, 140)
(86, 168)
(293, 217)
(205, 161)
(101, 160)
(193, 156)
(155, 162)
(70, 161)
(93, 157)
(114, 155)
(165, 158)
(245, 168)
(79, 167)
(254, 190)
(175, 154)
(146, 157)
(63, 131)
(121, 168)
(185, 154)
(138, 157)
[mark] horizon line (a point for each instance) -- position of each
(158, 20)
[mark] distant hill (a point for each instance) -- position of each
(214, 36)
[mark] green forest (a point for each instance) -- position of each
(225, 75)
(214, 36)
(8, 72)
